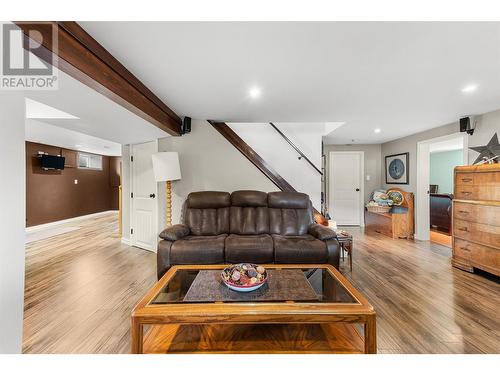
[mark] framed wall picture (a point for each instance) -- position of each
(396, 168)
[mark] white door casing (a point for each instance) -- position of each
(422, 211)
(346, 187)
(422, 197)
(144, 220)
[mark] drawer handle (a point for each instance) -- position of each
(466, 179)
(463, 212)
(465, 229)
(466, 192)
(464, 248)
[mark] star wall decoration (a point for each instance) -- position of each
(491, 150)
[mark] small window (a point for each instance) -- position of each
(89, 161)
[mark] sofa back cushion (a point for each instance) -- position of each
(290, 213)
(207, 213)
(249, 213)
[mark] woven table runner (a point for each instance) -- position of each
(281, 285)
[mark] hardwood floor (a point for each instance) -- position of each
(80, 290)
(81, 287)
(423, 304)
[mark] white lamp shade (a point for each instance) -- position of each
(166, 166)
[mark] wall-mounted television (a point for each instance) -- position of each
(52, 161)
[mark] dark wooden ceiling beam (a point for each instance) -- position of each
(83, 58)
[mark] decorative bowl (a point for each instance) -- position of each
(244, 277)
(396, 197)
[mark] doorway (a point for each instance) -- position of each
(144, 212)
(346, 187)
(436, 160)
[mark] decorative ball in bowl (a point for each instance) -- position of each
(244, 277)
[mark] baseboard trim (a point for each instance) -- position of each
(126, 241)
(70, 220)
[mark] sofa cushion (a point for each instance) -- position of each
(286, 199)
(249, 198)
(249, 248)
(206, 213)
(208, 199)
(175, 232)
(198, 250)
(299, 249)
(248, 213)
(290, 214)
(321, 232)
(207, 221)
(249, 220)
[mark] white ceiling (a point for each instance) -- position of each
(400, 77)
(39, 110)
(41, 132)
(99, 120)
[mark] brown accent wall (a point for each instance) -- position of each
(115, 168)
(53, 195)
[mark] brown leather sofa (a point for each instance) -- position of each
(247, 226)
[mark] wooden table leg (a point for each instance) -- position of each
(371, 335)
(350, 256)
(136, 337)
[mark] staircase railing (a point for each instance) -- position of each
(302, 155)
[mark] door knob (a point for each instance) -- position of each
(152, 195)
(357, 189)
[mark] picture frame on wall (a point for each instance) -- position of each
(397, 169)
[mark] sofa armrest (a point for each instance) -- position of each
(175, 232)
(163, 257)
(333, 247)
(321, 232)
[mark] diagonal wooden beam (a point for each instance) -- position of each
(259, 162)
(83, 58)
(251, 155)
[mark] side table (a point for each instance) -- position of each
(345, 241)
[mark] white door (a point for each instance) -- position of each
(346, 199)
(144, 229)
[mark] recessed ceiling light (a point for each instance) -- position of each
(377, 130)
(254, 92)
(469, 88)
(78, 145)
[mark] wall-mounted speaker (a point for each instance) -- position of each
(186, 125)
(467, 125)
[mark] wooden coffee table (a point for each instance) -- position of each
(332, 317)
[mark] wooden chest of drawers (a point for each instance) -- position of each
(476, 218)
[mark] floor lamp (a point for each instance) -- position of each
(167, 169)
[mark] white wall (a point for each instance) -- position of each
(126, 202)
(409, 144)
(208, 162)
(372, 162)
(487, 125)
(12, 220)
(283, 158)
